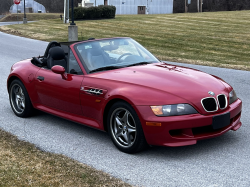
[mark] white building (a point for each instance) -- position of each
(135, 6)
(31, 6)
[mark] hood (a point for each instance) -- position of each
(189, 84)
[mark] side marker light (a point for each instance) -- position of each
(154, 124)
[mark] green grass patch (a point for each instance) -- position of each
(22, 164)
(213, 38)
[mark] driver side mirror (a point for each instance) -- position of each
(59, 70)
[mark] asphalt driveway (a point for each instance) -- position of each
(218, 162)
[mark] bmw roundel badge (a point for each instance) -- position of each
(211, 93)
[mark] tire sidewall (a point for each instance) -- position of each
(136, 147)
(28, 106)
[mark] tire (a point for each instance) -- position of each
(125, 128)
(19, 99)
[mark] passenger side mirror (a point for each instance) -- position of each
(59, 70)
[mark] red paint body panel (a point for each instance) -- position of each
(160, 85)
(26, 72)
(72, 117)
(141, 86)
(58, 93)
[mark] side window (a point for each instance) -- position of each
(74, 67)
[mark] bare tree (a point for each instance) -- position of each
(213, 5)
(5, 6)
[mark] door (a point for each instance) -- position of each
(141, 9)
(105, 2)
(57, 93)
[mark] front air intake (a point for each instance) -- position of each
(209, 104)
(222, 101)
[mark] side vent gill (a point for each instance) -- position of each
(93, 91)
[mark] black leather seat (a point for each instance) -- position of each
(51, 44)
(56, 56)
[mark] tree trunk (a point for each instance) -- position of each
(201, 5)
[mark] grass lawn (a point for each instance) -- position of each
(22, 164)
(214, 38)
(30, 17)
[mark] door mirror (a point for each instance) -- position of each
(59, 70)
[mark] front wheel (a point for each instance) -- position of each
(125, 128)
(19, 99)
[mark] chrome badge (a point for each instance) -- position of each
(211, 93)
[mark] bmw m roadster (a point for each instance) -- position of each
(116, 85)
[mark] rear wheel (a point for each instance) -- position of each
(125, 128)
(19, 99)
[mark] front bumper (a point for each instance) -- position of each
(187, 129)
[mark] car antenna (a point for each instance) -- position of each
(91, 39)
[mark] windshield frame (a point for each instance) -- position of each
(83, 63)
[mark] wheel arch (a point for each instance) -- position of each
(11, 79)
(109, 105)
(15, 77)
(140, 142)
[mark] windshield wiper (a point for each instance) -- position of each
(138, 63)
(105, 68)
(117, 67)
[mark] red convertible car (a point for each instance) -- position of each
(116, 85)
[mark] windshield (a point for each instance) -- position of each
(118, 52)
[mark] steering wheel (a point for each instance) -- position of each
(125, 54)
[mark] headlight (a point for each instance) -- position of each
(173, 110)
(232, 97)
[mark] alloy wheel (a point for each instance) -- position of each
(123, 127)
(17, 99)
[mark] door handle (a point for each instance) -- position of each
(40, 78)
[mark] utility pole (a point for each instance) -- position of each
(72, 11)
(66, 11)
(72, 28)
(24, 17)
